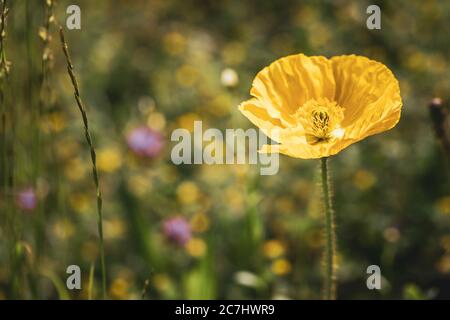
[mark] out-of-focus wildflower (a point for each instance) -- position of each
(109, 159)
(187, 192)
(119, 289)
(391, 234)
(80, 202)
(443, 264)
(247, 279)
(53, 122)
(114, 228)
(234, 198)
(229, 77)
(26, 199)
(156, 121)
(186, 121)
(145, 142)
(162, 282)
(177, 230)
(315, 107)
(445, 243)
(174, 43)
(443, 205)
(139, 184)
(281, 267)
(364, 179)
(199, 222)
(67, 148)
(196, 247)
(220, 105)
(76, 169)
(273, 249)
(63, 229)
(105, 51)
(187, 76)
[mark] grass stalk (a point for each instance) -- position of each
(7, 153)
(70, 70)
(4, 72)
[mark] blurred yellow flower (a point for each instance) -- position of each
(76, 169)
(109, 159)
(443, 205)
(80, 202)
(234, 198)
(364, 179)
(119, 289)
(187, 192)
(273, 248)
(186, 75)
(174, 43)
(156, 121)
(281, 267)
(199, 222)
(186, 121)
(443, 265)
(162, 282)
(53, 122)
(114, 228)
(63, 229)
(196, 247)
(315, 107)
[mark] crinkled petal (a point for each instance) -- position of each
(258, 115)
(369, 94)
(289, 82)
(304, 150)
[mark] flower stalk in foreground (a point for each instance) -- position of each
(315, 107)
(93, 156)
(329, 257)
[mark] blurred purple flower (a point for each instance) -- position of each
(177, 230)
(26, 199)
(145, 142)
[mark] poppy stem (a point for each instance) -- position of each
(329, 258)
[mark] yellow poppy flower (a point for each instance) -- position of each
(314, 107)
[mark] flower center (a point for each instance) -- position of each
(320, 120)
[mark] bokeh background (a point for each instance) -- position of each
(146, 68)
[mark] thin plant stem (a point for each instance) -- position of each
(80, 105)
(91, 281)
(7, 135)
(4, 71)
(330, 266)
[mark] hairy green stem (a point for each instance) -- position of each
(329, 290)
(93, 156)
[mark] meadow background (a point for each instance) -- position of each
(199, 231)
